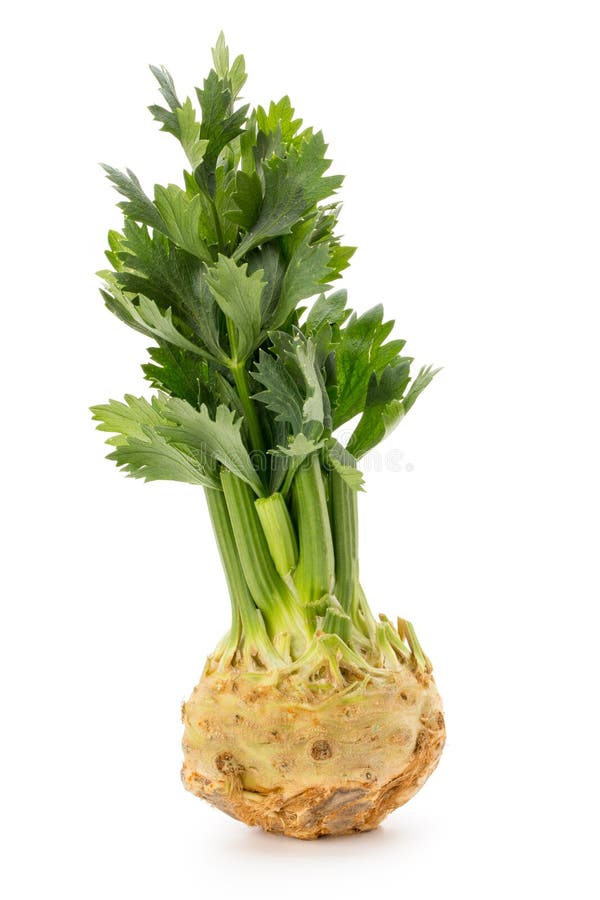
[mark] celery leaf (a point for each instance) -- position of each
(189, 134)
(141, 451)
(220, 437)
(281, 394)
(239, 297)
(386, 404)
(138, 205)
(305, 276)
(182, 216)
(327, 310)
(383, 408)
(360, 352)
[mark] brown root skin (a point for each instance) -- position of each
(271, 754)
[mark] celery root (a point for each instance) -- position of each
(307, 766)
(311, 717)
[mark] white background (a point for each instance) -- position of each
(469, 133)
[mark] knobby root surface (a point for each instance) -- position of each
(307, 768)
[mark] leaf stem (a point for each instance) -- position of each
(241, 600)
(345, 541)
(281, 610)
(248, 630)
(337, 622)
(315, 573)
(240, 375)
(217, 222)
(279, 531)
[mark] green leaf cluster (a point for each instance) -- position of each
(215, 271)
